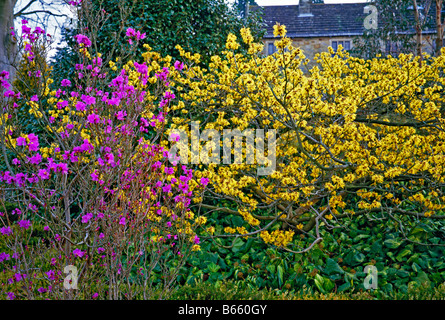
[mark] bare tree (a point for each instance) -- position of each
(439, 26)
(7, 41)
(41, 12)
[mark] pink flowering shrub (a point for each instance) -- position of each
(113, 207)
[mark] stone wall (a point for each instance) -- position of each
(311, 46)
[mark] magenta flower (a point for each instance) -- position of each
(43, 174)
(80, 106)
(6, 231)
(93, 118)
(51, 275)
(11, 296)
(82, 39)
(130, 32)
(18, 277)
(94, 176)
(25, 224)
(89, 100)
(62, 167)
(169, 96)
(45, 228)
(204, 181)
(79, 253)
(4, 256)
(35, 159)
(121, 115)
(65, 83)
(183, 187)
(87, 217)
(33, 142)
(122, 221)
(179, 65)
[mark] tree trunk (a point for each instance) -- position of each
(8, 45)
(439, 34)
(418, 30)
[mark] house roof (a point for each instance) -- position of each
(327, 20)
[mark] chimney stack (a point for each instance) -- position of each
(305, 8)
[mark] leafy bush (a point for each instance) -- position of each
(114, 207)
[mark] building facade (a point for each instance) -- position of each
(314, 27)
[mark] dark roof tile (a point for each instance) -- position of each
(339, 19)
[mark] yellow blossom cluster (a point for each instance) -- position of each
(352, 135)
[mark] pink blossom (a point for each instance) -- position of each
(43, 174)
(35, 159)
(21, 141)
(93, 118)
(82, 39)
(204, 181)
(6, 231)
(80, 106)
(121, 115)
(65, 83)
(25, 224)
(179, 65)
(89, 100)
(87, 217)
(166, 188)
(78, 252)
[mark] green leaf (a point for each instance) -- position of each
(422, 279)
(402, 254)
(271, 268)
(332, 267)
(280, 273)
(392, 243)
(359, 258)
(418, 234)
(344, 286)
(416, 267)
(213, 267)
(319, 283)
(237, 245)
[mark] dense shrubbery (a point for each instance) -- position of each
(357, 173)
(111, 203)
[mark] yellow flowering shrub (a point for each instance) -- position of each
(353, 136)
